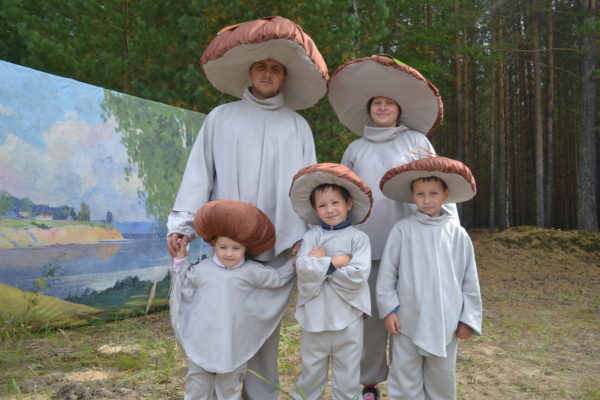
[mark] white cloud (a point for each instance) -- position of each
(81, 163)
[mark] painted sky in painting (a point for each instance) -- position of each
(56, 149)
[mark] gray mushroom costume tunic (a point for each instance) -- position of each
(428, 267)
(222, 316)
(332, 301)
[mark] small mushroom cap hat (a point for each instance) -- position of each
(395, 183)
(229, 56)
(308, 178)
(357, 81)
(241, 222)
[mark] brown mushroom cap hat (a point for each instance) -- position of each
(395, 184)
(308, 178)
(355, 82)
(228, 57)
(238, 221)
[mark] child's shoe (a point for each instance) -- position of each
(370, 393)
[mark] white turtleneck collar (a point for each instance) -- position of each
(427, 220)
(270, 104)
(374, 134)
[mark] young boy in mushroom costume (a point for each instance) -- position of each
(249, 150)
(427, 287)
(333, 267)
(393, 107)
(220, 308)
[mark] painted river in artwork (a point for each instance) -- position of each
(73, 270)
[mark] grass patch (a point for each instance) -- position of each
(540, 340)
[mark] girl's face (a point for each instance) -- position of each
(331, 207)
(229, 252)
(429, 196)
(384, 112)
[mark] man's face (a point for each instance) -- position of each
(267, 77)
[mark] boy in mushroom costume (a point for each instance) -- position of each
(219, 308)
(333, 267)
(249, 150)
(393, 108)
(427, 287)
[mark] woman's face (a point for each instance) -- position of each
(384, 112)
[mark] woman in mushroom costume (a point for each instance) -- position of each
(333, 267)
(393, 107)
(249, 150)
(220, 308)
(427, 288)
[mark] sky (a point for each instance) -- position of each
(56, 149)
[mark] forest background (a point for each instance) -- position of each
(518, 79)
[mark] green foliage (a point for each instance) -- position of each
(7, 202)
(151, 50)
(125, 291)
(143, 124)
(84, 212)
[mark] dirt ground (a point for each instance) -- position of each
(541, 293)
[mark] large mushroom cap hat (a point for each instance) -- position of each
(229, 56)
(308, 178)
(355, 82)
(241, 222)
(395, 183)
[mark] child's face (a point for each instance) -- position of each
(331, 207)
(229, 252)
(429, 196)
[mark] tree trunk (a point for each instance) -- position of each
(539, 137)
(492, 165)
(587, 215)
(502, 189)
(550, 120)
(458, 76)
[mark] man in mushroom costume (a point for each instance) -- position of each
(427, 288)
(249, 150)
(229, 292)
(393, 107)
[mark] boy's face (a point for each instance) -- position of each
(331, 207)
(229, 252)
(429, 196)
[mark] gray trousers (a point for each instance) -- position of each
(264, 362)
(340, 348)
(201, 384)
(415, 377)
(373, 362)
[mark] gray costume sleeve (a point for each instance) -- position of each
(387, 296)
(472, 312)
(311, 270)
(352, 277)
(270, 278)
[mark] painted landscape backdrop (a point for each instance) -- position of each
(87, 179)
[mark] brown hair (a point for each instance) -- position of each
(428, 179)
(326, 186)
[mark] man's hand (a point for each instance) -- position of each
(175, 241)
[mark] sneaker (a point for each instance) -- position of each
(370, 393)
